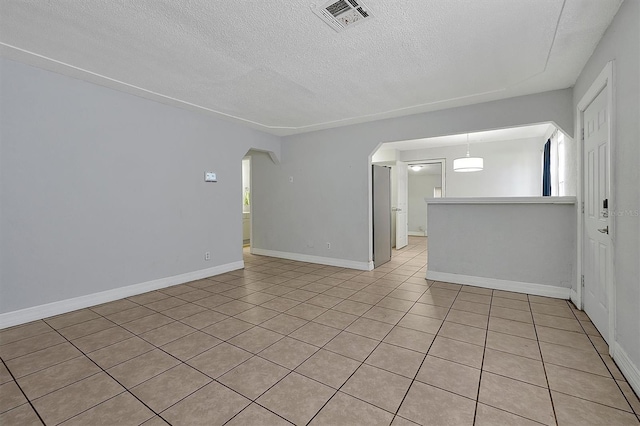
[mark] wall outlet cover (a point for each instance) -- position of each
(210, 177)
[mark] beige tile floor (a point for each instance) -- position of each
(285, 342)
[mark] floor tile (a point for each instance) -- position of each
(515, 367)
(256, 339)
(219, 359)
(190, 345)
(306, 311)
(395, 359)
(123, 409)
(511, 314)
(420, 323)
(490, 416)
(165, 389)
(288, 352)
(474, 297)
(10, 396)
(143, 367)
(513, 344)
(184, 311)
(39, 360)
(25, 331)
(228, 328)
(432, 311)
(521, 305)
(586, 386)
(557, 322)
(284, 324)
(315, 334)
(253, 377)
(344, 409)
(71, 318)
(5, 376)
(378, 387)
(428, 405)
(476, 308)
(632, 398)
(396, 304)
(410, 339)
(510, 295)
(468, 318)
(256, 415)
(352, 307)
(22, 415)
(130, 315)
(584, 360)
(329, 368)
(71, 400)
(101, 339)
(233, 308)
(335, 319)
(55, 377)
(515, 328)
(32, 344)
(559, 311)
(147, 323)
(281, 304)
(514, 396)
(576, 411)
(296, 398)
(113, 307)
(352, 345)
(450, 376)
(456, 351)
(86, 328)
(464, 333)
(120, 352)
(213, 404)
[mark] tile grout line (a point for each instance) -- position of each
(544, 367)
(23, 393)
(484, 353)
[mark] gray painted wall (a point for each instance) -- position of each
(620, 43)
(101, 189)
(505, 241)
(420, 186)
(329, 200)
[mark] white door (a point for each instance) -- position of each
(402, 224)
(597, 242)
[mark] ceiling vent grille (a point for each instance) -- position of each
(343, 14)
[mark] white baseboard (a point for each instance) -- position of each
(627, 367)
(63, 306)
(342, 263)
(497, 284)
(416, 234)
(574, 298)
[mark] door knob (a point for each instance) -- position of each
(604, 230)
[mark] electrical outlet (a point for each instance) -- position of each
(328, 246)
(207, 255)
(290, 179)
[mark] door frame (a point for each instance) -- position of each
(603, 81)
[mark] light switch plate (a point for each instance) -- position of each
(210, 177)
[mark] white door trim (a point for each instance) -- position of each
(604, 79)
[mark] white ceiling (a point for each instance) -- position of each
(426, 169)
(510, 134)
(276, 66)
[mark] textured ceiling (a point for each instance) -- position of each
(276, 66)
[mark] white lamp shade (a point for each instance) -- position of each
(468, 164)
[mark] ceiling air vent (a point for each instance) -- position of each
(342, 14)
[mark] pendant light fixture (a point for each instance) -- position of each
(468, 164)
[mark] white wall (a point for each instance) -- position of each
(329, 199)
(420, 186)
(511, 168)
(504, 242)
(620, 43)
(101, 189)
